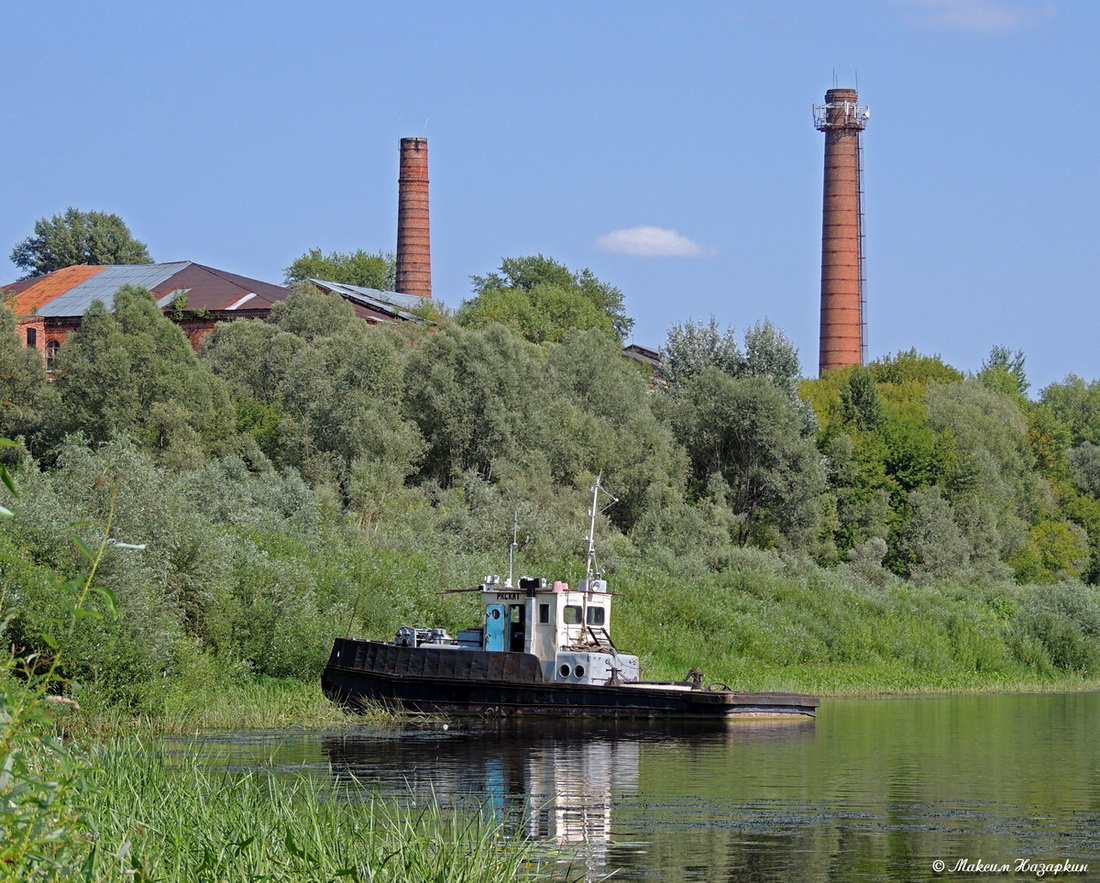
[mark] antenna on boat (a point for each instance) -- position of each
(512, 548)
(592, 513)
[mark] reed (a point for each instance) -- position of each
(248, 703)
(151, 815)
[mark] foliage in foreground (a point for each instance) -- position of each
(173, 819)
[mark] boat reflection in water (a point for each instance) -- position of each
(556, 781)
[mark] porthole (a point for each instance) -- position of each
(495, 614)
(578, 671)
(564, 670)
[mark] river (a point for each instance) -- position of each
(882, 789)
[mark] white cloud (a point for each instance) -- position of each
(652, 242)
(982, 15)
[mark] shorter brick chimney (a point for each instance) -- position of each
(414, 248)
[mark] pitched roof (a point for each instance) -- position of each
(103, 285)
(210, 289)
(29, 295)
(69, 292)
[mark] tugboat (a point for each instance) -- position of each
(542, 649)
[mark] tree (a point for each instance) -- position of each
(981, 419)
(543, 300)
(691, 347)
(1076, 404)
(931, 543)
(24, 391)
(1085, 460)
(910, 368)
(475, 394)
(608, 427)
(744, 441)
(1003, 371)
(131, 372)
(319, 389)
(78, 237)
(860, 404)
(356, 268)
(770, 354)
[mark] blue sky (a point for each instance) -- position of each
(239, 135)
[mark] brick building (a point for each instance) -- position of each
(50, 307)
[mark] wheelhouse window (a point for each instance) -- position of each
(572, 615)
(544, 613)
(596, 616)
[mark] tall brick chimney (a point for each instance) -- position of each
(414, 248)
(842, 119)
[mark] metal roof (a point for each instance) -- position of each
(103, 285)
(393, 302)
(27, 296)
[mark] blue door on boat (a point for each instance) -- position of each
(495, 622)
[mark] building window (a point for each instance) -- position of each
(32, 337)
(52, 347)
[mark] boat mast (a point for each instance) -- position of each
(592, 513)
(512, 548)
(591, 565)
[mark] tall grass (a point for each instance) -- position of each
(766, 624)
(154, 817)
(247, 703)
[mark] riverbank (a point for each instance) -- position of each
(285, 704)
(764, 623)
(250, 703)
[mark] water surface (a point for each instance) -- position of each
(873, 790)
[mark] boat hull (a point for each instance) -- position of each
(476, 682)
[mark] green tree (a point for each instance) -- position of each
(747, 434)
(475, 394)
(984, 421)
(1085, 460)
(542, 300)
(1055, 550)
(1076, 404)
(131, 371)
(911, 368)
(355, 268)
(931, 543)
(1003, 370)
(860, 403)
(319, 389)
(25, 394)
(608, 427)
(770, 354)
(77, 237)
(691, 347)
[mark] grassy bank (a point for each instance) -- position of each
(134, 813)
(245, 703)
(766, 624)
(761, 623)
